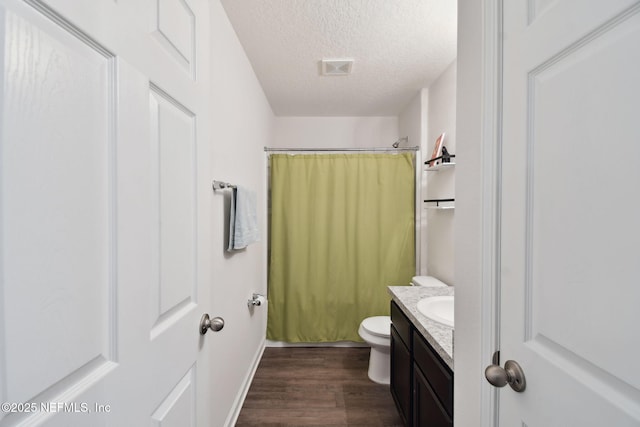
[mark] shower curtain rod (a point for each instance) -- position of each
(383, 149)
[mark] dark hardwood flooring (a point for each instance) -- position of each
(317, 386)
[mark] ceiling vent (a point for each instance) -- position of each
(336, 67)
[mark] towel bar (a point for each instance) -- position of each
(219, 185)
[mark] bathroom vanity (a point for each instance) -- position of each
(421, 360)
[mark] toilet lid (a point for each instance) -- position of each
(378, 325)
(426, 281)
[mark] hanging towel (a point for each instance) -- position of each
(243, 219)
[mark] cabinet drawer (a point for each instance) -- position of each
(434, 369)
(401, 323)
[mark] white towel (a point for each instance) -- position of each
(243, 219)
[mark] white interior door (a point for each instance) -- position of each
(103, 212)
(570, 211)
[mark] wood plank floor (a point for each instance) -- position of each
(317, 386)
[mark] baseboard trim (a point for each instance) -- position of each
(269, 343)
(242, 394)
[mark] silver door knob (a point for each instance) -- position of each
(512, 374)
(214, 324)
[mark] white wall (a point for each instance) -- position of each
(441, 117)
(241, 125)
(335, 132)
(412, 122)
(469, 358)
(431, 112)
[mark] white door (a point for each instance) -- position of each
(570, 223)
(103, 213)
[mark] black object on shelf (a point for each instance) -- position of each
(446, 157)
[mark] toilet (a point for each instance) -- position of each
(376, 331)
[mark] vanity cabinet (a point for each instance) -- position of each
(421, 383)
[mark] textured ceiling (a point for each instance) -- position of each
(398, 47)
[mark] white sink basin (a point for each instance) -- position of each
(439, 309)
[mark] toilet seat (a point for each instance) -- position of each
(379, 326)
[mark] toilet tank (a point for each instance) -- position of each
(427, 281)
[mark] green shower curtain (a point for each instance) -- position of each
(341, 231)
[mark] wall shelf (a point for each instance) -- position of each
(443, 164)
(439, 166)
(440, 203)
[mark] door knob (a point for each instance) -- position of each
(511, 374)
(214, 324)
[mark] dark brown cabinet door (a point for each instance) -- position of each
(401, 377)
(427, 410)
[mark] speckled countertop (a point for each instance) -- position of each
(439, 336)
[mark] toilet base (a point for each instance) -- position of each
(380, 365)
